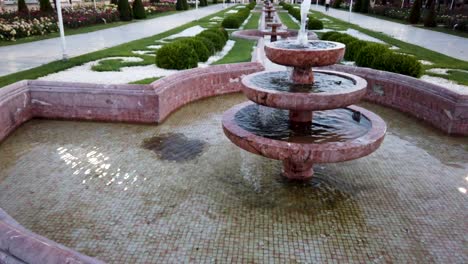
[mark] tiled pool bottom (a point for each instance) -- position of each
(112, 192)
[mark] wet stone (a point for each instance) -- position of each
(174, 147)
(323, 83)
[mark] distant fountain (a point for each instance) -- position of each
(310, 119)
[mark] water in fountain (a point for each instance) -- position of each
(302, 38)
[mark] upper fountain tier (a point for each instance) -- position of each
(314, 54)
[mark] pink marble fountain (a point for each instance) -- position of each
(302, 116)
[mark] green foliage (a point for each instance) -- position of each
(365, 6)
(313, 23)
(114, 2)
(203, 3)
(218, 41)
(138, 10)
(337, 3)
(334, 37)
(236, 20)
(252, 5)
(357, 6)
(200, 48)
(176, 55)
(369, 55)
(430, 19)
(215, 1)
(220, 31)
(353, 48)
(398, 63)
(45, 6)
(208, 44)
(415, 13)
(346, 39)
(327, 35)
(231, 22)
(182, 5)
(22, 7)
(125, 10)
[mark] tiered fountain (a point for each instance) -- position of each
(269, 9)
(304, 117)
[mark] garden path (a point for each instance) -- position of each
(450, 45)
(29, 55)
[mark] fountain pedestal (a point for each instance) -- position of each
(298, 170)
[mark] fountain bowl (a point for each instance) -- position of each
(304, 155)
(305, 101)
(279, 53)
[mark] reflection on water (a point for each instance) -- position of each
(404, 203)
(311, 45)
(335, 125)
(323, 83)
(174, 146)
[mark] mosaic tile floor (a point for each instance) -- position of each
(112, 192)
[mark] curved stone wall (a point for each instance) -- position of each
(24, 100)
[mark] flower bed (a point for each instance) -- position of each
(86, 16)
(19, 28)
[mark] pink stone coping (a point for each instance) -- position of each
(303, 152)
(24, 100)
(305, 58)
(305, 101)
(445, 109)
(255, 34)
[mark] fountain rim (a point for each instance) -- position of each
(317, 152)
(305, 101)
(272, 45)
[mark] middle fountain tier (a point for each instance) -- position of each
(302, 116)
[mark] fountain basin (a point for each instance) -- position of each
(299, 157)
(274, 93)
(274, 24)
(319, 53)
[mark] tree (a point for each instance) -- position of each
(45, 6)
(138, 10)
(182, 5)
(365, 6)
(415, 13)
(203, 2)
(114, 2)
(22, 7)
(430, 19)
(125, 10)
(357, 6)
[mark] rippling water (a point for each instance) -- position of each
(328, 126)
(281, 81)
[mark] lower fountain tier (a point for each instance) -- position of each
(334, 136)
(330, 90)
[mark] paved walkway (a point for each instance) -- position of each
(29, 55)
(450, 45)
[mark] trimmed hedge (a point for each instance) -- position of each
(138, 10)
(220, 31)
(236, 20)
(22, 7)
(217, 39)
(182, 5)
(200, 48)
(368, 55)
(375, 55)
(176, 55)
(313, 23)
(45, 6)
(415, 13)
(208, 44)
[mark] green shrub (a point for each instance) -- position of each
(357, 6)
(415, 13)
(176, 55)
(215, 1)
(313, 23)
(337, 3)
(231, 22)
(327, 35)
(45, 6)
(138, 10)
(200, 48)
(370, 53)
(345, 39)
(334, 37)
(208, 43)
(217, 40)
(22, 7)
(220, 31)
(430, 19)
(353, 48)
(252, 5)
(182, 5)
(203, 3)
(399, 63)
(365, 6)
(125, 10)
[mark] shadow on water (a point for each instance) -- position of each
(174, 147)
